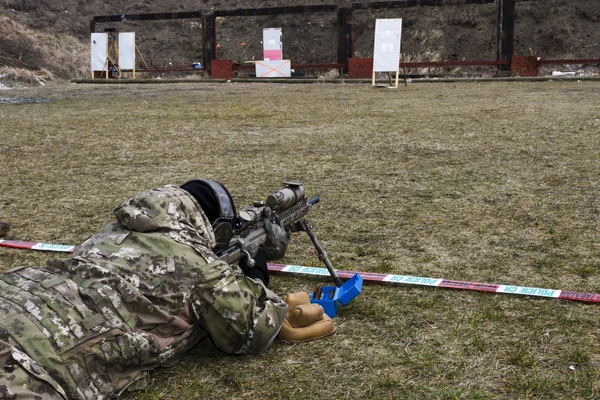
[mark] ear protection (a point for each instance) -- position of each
(226, 216)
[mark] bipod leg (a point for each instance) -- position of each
(322, 253)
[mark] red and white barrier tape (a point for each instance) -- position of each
(375, 277)
(17, 244)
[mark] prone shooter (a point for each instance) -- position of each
(145, 289)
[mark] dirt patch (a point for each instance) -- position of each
(22, 100)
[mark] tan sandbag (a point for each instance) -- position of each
(305, 315)
(315, 331)
(295, 299)
(305, 321)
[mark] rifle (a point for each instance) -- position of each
(284, 210)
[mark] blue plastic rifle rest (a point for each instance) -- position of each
(333, 298)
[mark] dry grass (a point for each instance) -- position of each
(26, 49)
(20, 75)
(487, 182)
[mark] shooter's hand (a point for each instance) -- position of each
(259, 270)
(277, 241)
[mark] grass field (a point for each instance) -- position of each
(494, 182)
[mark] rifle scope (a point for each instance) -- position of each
(286, 197)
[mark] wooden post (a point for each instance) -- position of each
(143, 61)
(498, 31)
(505, 31)
(403, 63)
(345, 39)
(209, 40)
(92, 30)
(106, 62)
(117, 58)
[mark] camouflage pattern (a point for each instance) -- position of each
(137, 295)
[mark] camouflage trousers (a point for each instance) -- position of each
(20, 376)
(67, 338)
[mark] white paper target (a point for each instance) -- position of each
(272, 46)
(386, 53)
(99, 51)
(127, 50)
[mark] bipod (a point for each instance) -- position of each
(331, 298)
(322, 253)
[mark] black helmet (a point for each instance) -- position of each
(217, 204)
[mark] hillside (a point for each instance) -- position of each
(552, 28)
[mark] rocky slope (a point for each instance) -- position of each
(551, 28)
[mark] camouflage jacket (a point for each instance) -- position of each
(136, 295)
